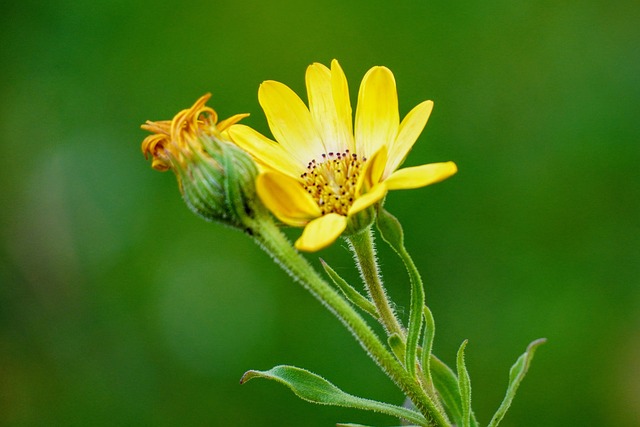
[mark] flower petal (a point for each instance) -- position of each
(342, 103)
(410, 129)
(227, 123)
(285, 197)
(368, 199)
(377, 117)
(323, 109)
(372, 171)
(419, 176)
(321, 232)
(290, 121)
(268, 154)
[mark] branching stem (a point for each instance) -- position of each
(271, 239)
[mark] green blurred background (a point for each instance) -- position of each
(120, 307)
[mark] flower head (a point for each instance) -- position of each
(216, 178)
(324, 172)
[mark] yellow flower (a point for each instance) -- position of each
(321, 172)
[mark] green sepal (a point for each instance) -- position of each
(391, 232)
(313, 388)
(241, 201)
(516, 374)
(464, 385)
(397, 346)
(446, 383)
(349, 292)
(360, 221)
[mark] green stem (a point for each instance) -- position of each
(391, 231)
(271, 239)
(363, 248)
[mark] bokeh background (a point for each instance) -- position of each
(120, 307)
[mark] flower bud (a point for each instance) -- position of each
(215, 177)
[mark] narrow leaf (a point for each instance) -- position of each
(391, 231)
(464, 384)
(516, 374)
(446, 383)
(313, 388)
(427, 343)
(349, 292)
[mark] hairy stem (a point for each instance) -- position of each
(271, 239)
(363, 248)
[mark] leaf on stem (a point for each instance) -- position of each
(349, 292)
(516, 374)
(446, 383)
(427, 343)
(397, 346)
(391, 231)
(464, 385)
(313, 388)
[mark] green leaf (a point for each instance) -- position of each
(464, 385)
(427, 343)
(313, 388)
(397, 346)
(391, 231)
(516, 374)
(446, 383)
(349, 292)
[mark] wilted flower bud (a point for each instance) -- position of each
(216, 178)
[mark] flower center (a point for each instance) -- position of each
(332, 181)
